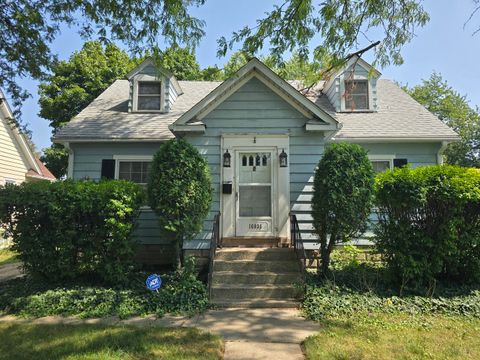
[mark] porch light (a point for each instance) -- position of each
(226, 159)
(283, 158)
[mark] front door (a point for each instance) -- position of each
(254, 193)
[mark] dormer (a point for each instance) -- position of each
(354, 87)
(152, 89)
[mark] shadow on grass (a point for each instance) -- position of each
(93, 342)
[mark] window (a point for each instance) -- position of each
(356, 95)
(381, 165)
(136, 171)
(149, 95)
(10, 181)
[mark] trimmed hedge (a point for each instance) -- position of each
(179, 191)
(342, 196)
(71, 229)
(429, 224)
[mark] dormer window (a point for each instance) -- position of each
(356, 95)
(149, 96)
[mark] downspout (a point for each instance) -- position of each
(71, 156)
(441, 151)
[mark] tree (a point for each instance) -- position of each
(342, 196)
(29, 27)
(179, 191)
(73, 85)
(179, 61)
(452, 108)
(76, 82)
(292, 25)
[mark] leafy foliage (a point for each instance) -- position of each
(181, 293)
(179, 190)
(429, 224)
(32, 25)
(357, 287)
(453, 109)
(66, 230)
(292, 25)
(76, 82)
(56, 159)
(342, 196)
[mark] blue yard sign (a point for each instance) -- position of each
(154, 282)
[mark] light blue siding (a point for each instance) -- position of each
(254, 108)
(88, 163)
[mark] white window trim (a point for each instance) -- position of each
(148, 78)
(129, 158)
(388, 158)
(9, 181)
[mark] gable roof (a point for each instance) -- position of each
(35, 167)
(149, 62)
(255, 68)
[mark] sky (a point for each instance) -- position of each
(443, 45)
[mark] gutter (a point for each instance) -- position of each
(441, 151)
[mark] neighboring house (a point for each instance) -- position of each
(18, 161)
(260, 135)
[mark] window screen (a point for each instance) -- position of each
(356, 95)
(136, 171)
(380, 165)
(149, 94)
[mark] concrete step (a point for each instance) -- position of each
(244, 266)
(257, 303)
(247, 292)
(256, 278)
(274, 254)
(268, 242)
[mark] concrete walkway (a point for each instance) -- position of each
(248, 333)
(10, 271)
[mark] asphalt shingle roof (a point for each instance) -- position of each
(107, 117)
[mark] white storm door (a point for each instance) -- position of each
(254, 193)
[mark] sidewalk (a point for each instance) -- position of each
(248, 333)
(10, 271)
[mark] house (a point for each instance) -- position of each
(18, 161)
(262, 137)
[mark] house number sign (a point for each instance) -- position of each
(255, 226)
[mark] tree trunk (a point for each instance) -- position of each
(178, 254)
(326, 248)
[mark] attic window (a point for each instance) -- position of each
(149, 96)
(356, 95)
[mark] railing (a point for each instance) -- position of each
(215, 242)
(297, 242)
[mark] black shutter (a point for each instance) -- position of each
(399, 163)
(108, 169)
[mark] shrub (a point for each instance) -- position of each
(429, 224)
(179, 191)
(342, 193)
(65, 230)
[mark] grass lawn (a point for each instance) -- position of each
(21, 341)
(384, 336)
(7, 256)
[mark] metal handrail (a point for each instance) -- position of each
(215, 242)
(297, 242)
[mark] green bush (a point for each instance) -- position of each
(181, 293)
(179, 191)
(429, 224)
(66, 230)
(342, 196)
